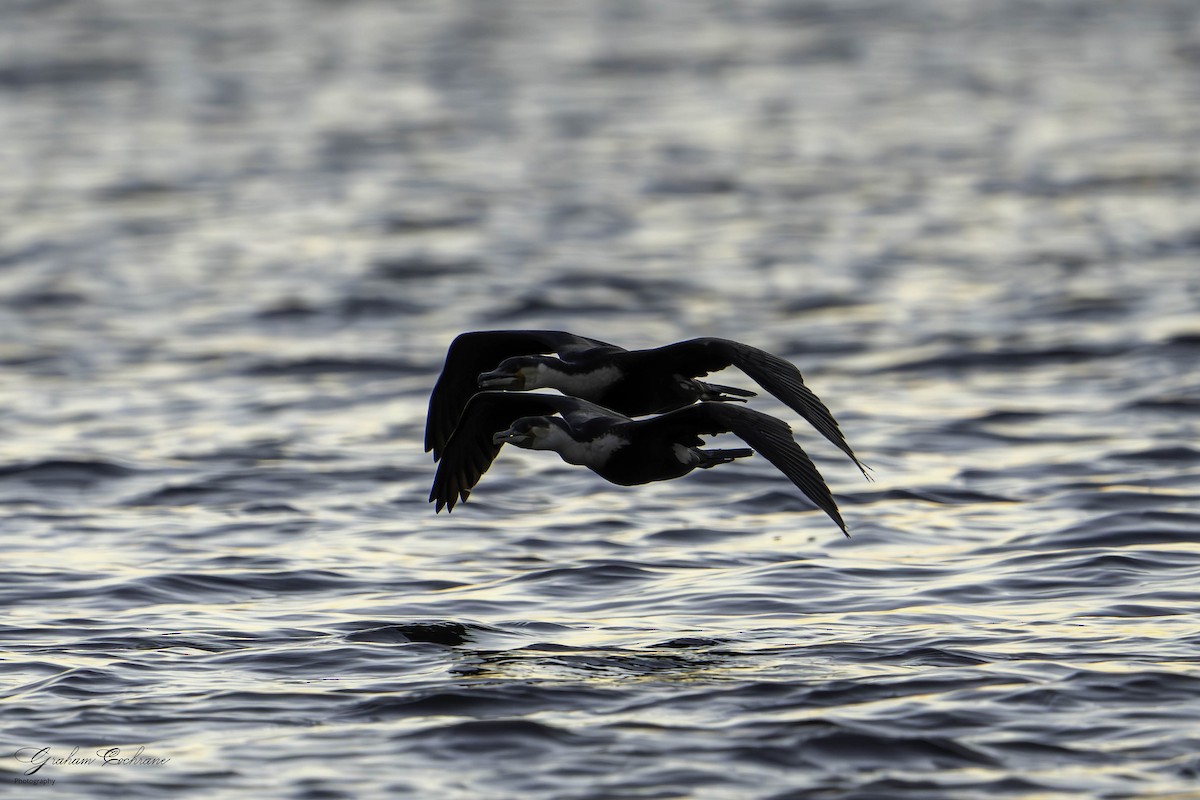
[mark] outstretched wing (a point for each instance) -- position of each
(478, 351)
(470, 451)
(770, 437)
(697, 357)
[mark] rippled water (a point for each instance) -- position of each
(238, 237)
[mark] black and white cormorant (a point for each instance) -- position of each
(619, 449)
(632, 382)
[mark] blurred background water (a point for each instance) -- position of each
(238, 237)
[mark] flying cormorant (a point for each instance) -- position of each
(619, 449)
(629, 382)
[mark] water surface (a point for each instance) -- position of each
(239, 236)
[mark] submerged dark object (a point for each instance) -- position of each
(629, 382)
(621, 450)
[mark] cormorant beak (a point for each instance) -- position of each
(499, 379)
(511, 436)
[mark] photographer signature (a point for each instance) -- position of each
(39, 757)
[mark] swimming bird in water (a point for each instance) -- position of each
(621, 450)
(632, 382)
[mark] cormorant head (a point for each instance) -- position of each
(528, 432)
(513, 373)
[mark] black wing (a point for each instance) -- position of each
(479, 351)
(697, 357)
(470, 450)
(770, 437)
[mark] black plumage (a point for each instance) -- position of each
(629, 382)
(619, 449)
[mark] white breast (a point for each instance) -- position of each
(585, 385)
(593, 453)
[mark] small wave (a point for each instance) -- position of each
(1139, 610)
(1113, 499)
(495, 738)
(69, 72)
(942, 495)
(587, 220)
(534, 304)
(897, 787)
(818, 302)
(251, 451)
(194, 493)
(191, 587)
(1170, 402)
(1134, 689)
(45, 298)
(423, 220)
(65, 472)
(692, 182)
(1010, 359)
(305, 367)
(636, 288)
(1137, 182)
(1188, 340)
(774, 501)
(423, 267)
(1176, 453)
(865, 749)
(935, 657)
(20, 586)
(88, 683)
(483, 701)
(350, 307)
(585, 579)
(693, 535)
(250, 485)
(1126, 529)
